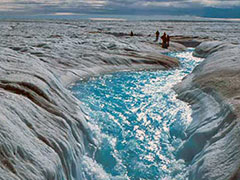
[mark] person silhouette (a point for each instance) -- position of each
(168, 41)
(131, 34)
(157, 36)
(164, 40)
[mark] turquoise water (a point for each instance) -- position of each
(138, 121)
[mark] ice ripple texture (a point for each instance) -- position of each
(139, 121)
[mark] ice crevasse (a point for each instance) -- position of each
(43, 131)
(44, 134)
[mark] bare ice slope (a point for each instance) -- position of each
(212, 146)
(42, 136)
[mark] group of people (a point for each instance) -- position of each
(165, 39)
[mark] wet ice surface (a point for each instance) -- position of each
(138, 121)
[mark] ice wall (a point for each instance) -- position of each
(42, 136)
(212, 145)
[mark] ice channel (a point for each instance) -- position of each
(138, 122)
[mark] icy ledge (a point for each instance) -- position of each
(212, 141)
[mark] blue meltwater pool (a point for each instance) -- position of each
(138, 122)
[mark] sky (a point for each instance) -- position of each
(202, 8)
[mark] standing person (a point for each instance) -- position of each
(157, 36)
(164, 40)
(131, 34)
(168, 40)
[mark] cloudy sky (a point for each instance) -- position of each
(203, 8)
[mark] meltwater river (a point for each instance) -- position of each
(138, 121)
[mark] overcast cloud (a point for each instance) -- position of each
(207, 8)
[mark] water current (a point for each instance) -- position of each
(138, 121)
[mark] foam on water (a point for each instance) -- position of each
(138, 122)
